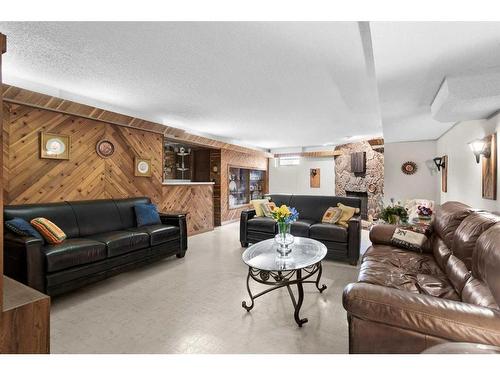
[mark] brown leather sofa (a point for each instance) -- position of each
(406, 301)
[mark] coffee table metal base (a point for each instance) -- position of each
(280, 279)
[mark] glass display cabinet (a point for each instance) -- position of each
(245, 184)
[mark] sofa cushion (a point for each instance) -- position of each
(300, 228)
(49, 230)
(328, 232)
(448, 217)
(262, 224)
(146, 214)
(127, 210)
(98, 216)
(73, 252)
(467, 233)
(122, 241)
(405, 270)
(159, 233)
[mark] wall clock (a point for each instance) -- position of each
(409, 167)
(105, 148)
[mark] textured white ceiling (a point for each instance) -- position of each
(411, 61)
(267, 84)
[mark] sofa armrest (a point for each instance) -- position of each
(24, 260)
(447, 319)
(177, 219)
(354, 238)
(245, 215)
(381, 234)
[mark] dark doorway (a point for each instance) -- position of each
(363, 195)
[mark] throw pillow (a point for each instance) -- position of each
(347, 213)
(23, 228)
(408, 239)
(332, 215)
(267, 208)
(146, 214)
(51, 232)
(256, 203)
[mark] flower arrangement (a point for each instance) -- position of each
(285, 215)
(424, 211)
(394, 213)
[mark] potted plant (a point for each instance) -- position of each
(394, 213)
(424, 213)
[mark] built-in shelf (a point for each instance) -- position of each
(244, 185)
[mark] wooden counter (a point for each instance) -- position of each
(194, 198)
(25, 323)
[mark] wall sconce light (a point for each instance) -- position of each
(440, 163)
(480, 147)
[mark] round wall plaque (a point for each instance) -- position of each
(409, 167)
(105, 148)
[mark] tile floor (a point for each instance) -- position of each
(193, 305)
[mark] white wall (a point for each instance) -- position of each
(464, 174)
(294, 179)
(423, 184)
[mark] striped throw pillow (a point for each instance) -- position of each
(51, 232)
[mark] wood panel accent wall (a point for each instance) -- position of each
(228, 158)
(17, 95)
(215, 176)
(30, 179)
(197, 200)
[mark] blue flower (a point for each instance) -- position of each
(294, 215)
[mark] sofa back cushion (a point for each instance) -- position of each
(312, 207)
(448, 217)
(486, 262)
(127, 211)
(467, 233)
(280, 199)
(97, 216)
(59, 213)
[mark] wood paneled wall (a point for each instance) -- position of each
(233, 158)
(29, 179)
(197, 200)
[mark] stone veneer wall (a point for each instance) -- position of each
(372, 179)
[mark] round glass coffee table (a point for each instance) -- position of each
(266, 266)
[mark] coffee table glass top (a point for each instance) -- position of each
(264, 256)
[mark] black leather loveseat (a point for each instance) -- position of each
(102, 240)
(342, 243)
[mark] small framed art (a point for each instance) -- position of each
(142, 167)
(54, 146)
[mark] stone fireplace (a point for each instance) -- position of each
(369, 186)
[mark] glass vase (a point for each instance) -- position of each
(284, 239)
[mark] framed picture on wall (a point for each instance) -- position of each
(314, 180)
(54, 146)
(142, 167)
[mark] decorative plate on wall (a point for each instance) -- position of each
(105, 148)
(409, 167)
(54, 146)
(142, 167)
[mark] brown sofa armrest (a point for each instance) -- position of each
(382, 233)
(447, 319)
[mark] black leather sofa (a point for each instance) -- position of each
(102, 240)
(342, 243)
